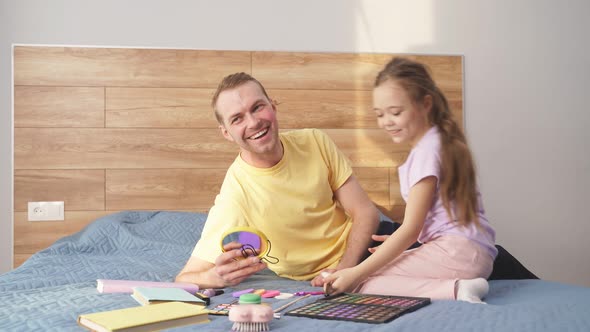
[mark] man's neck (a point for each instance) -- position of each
(264, 160)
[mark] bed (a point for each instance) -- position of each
(51, 288)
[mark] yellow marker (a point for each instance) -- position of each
(259, 291)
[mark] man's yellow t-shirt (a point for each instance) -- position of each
(292, 203)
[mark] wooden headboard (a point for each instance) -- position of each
(110, 129)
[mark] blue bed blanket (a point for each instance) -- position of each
(50, 290)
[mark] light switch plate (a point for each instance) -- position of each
(46, 211)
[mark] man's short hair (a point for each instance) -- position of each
(230, 82)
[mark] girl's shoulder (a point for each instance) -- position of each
(428, 146)
(430, 140)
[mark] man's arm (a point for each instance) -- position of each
(200, 272)
(227, 270)
(365, 220)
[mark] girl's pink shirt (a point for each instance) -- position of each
(424, 160)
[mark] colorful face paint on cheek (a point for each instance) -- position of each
(364, 308)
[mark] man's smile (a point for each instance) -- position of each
(259, 134)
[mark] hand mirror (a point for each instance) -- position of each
(254, 242)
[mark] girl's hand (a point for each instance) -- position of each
(379, 238)
(341, 281)
(318, 281)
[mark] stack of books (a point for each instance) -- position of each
(145, 318)
(163, 305)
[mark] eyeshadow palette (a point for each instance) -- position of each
(222, 309)
(365, 308)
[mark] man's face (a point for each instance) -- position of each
(249, 120)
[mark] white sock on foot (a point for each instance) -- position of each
(472, 290)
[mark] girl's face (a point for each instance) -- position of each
(404, 120)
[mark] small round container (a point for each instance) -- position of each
(250, 298)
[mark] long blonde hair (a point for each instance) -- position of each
(458, 181)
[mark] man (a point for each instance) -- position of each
(295, 187)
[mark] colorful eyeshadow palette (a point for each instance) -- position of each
(221, 309)
(365, 308)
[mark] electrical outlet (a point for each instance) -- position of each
(44, 211)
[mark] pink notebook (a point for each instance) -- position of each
(126, 286)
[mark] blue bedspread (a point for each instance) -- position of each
(50, 290)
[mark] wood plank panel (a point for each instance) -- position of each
(160, 107)
(32, 236)
(324, 109)
(79, 189)
(342, 71)
(375, 181)
(59, 148)
(190, 108)
(337, 109)
(393, 212)
(161, 149)
(337, 71)
(75, 148)
(368, 147)
(77, 66)
(170, 189)
(58, 106)
(19, 259)
(395, 197)
(455, 100)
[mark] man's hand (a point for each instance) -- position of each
(233, 268)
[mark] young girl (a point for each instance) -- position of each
(443, 205)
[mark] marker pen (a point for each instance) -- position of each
(210, 292)
(203, 297)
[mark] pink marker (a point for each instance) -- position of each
(316, 293)
(309, 293)
(270, 293)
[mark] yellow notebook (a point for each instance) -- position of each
(145, 318)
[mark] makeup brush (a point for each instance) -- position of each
(277, 311)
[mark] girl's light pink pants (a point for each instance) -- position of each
(431, 270)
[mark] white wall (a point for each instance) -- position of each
(526, 64)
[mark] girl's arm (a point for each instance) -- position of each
(419, 202)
